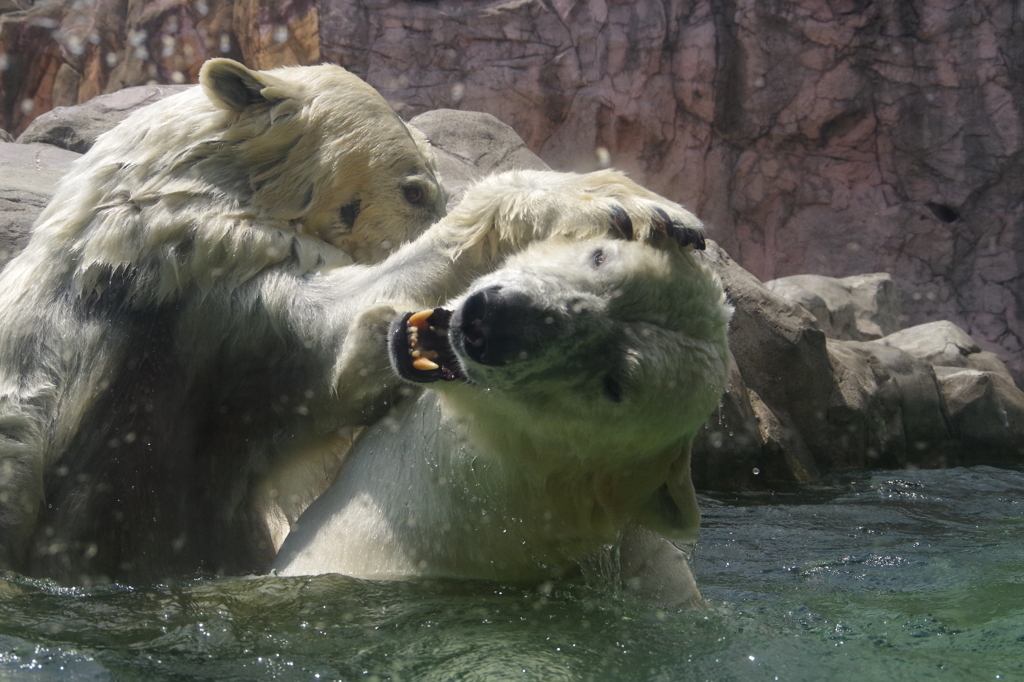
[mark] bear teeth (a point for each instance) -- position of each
(423, 359)
(424, 364)
(421, 348)
(419, 320)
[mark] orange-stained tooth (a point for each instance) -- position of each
(419, 320)
(423, 364)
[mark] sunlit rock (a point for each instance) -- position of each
(76, 128)
(28, 176)
(856, 308)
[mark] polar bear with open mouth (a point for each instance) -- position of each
(552, 403)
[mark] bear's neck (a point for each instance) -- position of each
(422, 495)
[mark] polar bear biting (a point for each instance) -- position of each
(561, 395)
(221, 288)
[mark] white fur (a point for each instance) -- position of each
(532, 468)
(173, 260)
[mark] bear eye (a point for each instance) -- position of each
(414, 194)
(598, 258)
(612, 389)
(348, 213)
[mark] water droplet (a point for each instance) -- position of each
(136, 37)
(74, 45)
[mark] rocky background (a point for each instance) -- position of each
(814, 136)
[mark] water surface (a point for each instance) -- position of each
(909, 575)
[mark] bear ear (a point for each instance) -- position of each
(672, 510)
(230, 85)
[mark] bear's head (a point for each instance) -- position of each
(330, 154)
(300, 166)
(588, 367)
(601, 349)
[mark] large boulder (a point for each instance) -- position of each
(886, 411)
(28, 176)
(855, 308)
(76, 128)
(944, 344)
(781, 355)
(985, 407)
(470, 145)
(986, 413)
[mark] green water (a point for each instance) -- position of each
(894, 575)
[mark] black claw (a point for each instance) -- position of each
(622, 222)
(687, 236)
(683, 235)
(661, 222)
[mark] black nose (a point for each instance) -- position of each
(499, 326)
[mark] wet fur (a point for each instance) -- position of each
(178, 348)
(159, 349)
(533, 468)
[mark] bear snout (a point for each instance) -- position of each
(499, 326)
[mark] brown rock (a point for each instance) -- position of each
(985, 407)
(272, 34)
(781, 355)
(783, 448)
(64, 53)
(944, 344)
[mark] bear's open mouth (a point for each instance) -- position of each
(420, 349)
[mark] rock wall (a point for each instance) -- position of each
(814, 136)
